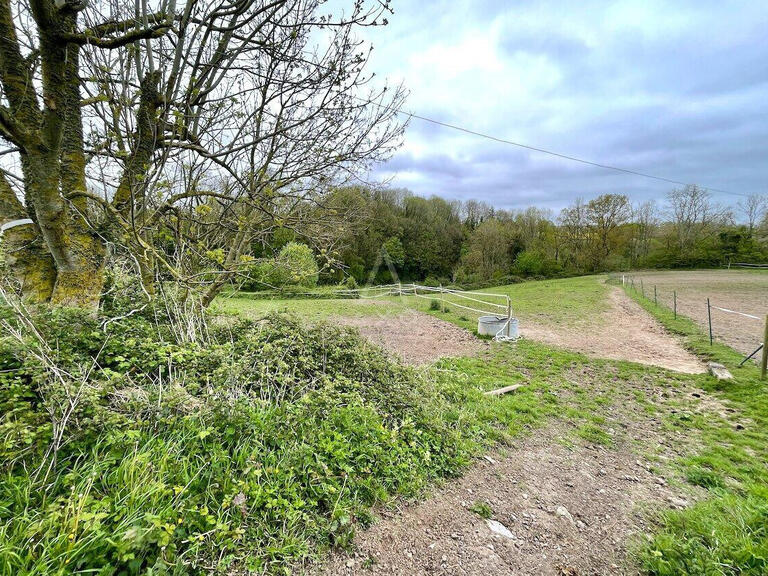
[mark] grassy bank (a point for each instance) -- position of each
(131, 451)
(727, 533)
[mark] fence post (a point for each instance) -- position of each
(674, 301)
(642, 287)
(509, 315)
(442, 302)
(655, 300)
(709, 319)
(764, 359)
(399, 288)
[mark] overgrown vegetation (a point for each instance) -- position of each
(240, 444)
(127, 450)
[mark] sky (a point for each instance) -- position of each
(676, 89)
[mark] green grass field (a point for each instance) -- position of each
(554, 302)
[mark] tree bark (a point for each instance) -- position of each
(50, 141)
(23, 248)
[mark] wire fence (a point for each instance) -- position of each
(485, 303)
(747, 265)
(651, 292)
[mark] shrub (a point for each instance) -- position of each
(253, 447)
(295, 265)
(434, 305)
(531, 263)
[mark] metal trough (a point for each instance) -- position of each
(492, 325)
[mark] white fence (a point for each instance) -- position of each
(482, 302)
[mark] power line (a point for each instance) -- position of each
(553, 153)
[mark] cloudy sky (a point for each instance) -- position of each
(677, 89)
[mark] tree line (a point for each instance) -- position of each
(433, 239)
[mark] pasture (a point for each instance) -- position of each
(619, 454)
(744, 291)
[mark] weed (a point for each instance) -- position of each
(725, 533)
(594, 434)
(369, 562)
(482, 509)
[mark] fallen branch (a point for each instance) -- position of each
(505, 390)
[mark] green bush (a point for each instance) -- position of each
(294, 266)
(245, 451)
(531, 263)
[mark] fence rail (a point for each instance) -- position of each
(442, 294)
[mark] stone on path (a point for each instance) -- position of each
(719, 371)
(499, 528)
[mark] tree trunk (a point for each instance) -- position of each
(23, 248)
(78, 253)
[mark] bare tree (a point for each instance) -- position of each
(754, 208)
(694, 216)
(645, 220)
(604, 215)
(124, 122)
(475, 212)
(573, 233)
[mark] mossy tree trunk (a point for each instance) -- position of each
(58, 257)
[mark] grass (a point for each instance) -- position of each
(555, 302)
(267, 445)
(312, 310)
(482, 509)
(563, 301)
(726, 533)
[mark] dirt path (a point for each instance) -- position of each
(570, 508)
(564, 506)
(415, 337)
(624, 332)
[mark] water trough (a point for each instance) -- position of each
(497, 325)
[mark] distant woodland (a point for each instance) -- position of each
(379, 231)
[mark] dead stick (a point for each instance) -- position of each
(500, 391)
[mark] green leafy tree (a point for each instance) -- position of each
(395, 251)
(295, 265)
